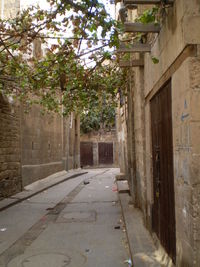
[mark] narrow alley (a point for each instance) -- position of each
(75, 223)
(99, 133)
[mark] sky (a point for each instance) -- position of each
(43, 4)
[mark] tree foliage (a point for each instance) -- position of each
(98, 116)
(70, 31)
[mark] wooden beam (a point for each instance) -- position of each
(132, 63)
(148, 2)
(134, 48)
(140, 27)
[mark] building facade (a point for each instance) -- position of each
(162, 125)
(32, 145)
(99, 149)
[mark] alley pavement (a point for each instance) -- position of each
(76, 222)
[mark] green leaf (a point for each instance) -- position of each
(155, 60)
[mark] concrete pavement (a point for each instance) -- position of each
(76, 223)
(141, 245)
(75, 219)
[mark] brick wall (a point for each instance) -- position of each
(10, 165)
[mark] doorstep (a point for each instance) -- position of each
(142, 248)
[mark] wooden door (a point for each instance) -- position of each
(86, 151)
(105, 153)
(163, 221)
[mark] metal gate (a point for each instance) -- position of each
(86, 151)
(105, 153)
(163, 221)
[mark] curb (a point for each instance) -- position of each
(17, 201)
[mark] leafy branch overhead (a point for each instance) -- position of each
(97, 116)
(75, 37)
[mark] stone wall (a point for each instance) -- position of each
(74, 142)
(10, 152)
(177, 51)
(42, 144)
(32, 145)
(186, 130)
(177, 48)
(122, 131)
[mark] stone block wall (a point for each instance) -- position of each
(42, 144)
(10, 152)
(34, 146)
(177, 48)
(186, 122)
(179, 62)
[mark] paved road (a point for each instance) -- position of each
(72, 224)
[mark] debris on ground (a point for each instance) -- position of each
(129, 262)
(86, 182)
(114, 188)
(117, 227)
(3, 229)
(107, 186)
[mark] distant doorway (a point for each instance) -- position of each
(86, 151)
(105, 153)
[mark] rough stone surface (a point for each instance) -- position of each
(180, 28)
(10, 158)
(33, 146)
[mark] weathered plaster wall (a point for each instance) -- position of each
(186, 122)
(131, 168)
(180, 28)
(42, 144)
(121, 129)
(74, 142)
(10, 152)
(139, 132)
(179, 61)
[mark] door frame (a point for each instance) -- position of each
(160, 102)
